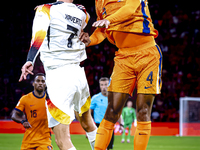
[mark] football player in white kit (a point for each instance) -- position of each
(56, 30)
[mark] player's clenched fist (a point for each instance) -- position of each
(26, 124)
(85, 38)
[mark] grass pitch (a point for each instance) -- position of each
(13, 142)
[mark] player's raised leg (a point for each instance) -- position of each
(143, 111)
(88, 125)
(116, 103)
(62, 137)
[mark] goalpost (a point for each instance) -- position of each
(189, 119)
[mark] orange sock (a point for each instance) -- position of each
(104, 134)
(142, 134)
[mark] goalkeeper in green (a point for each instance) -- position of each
(129, 115)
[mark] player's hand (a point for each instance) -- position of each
(135, 123)
(101, 23)
(85, 38)
(27, 68)
(27, 125)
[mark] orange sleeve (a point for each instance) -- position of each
(97, 36)
(21, 105)
(124, 12)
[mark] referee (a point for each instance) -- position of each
(99, 105)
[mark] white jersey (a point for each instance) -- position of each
(56, 30)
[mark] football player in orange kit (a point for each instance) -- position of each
(37, 135)
(138, 63)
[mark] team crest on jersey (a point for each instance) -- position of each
(104, 14)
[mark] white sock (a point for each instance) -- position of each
(91, 137)
(73, 148)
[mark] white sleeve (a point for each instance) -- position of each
(39, 30)
(86, 20)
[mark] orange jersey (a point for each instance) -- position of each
(35, 111)
(130, 16)
(138, 61)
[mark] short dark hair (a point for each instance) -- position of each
(103, 79)
(39, 74)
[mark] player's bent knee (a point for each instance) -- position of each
(62, 141)
(143, 115)
(112, 116)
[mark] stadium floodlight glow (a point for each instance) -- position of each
(189, 116)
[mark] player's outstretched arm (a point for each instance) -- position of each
(40, 26)
(27, 68)
(120, 15)
(97, 36)
(125, 12)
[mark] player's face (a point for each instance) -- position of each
(129, 104)
(39, 83)
(103, 87)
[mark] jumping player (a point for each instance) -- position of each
(56, 30)
(138, 63)
(37, 134)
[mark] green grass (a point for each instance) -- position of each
(13, 142)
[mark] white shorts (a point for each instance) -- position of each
(68, 91)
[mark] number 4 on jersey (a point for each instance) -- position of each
(150, 77)
(74, 30)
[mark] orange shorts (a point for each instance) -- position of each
(139, 67)
(36, 146)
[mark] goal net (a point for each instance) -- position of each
(189, 121)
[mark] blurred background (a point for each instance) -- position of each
(178, 24)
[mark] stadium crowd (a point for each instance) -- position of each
(179, 39)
